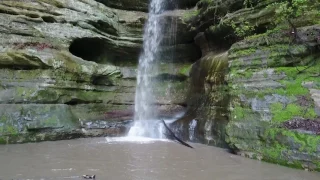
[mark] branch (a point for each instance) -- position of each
(172, 135)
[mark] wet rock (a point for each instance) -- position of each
(78, 60)
(307, 160)
(304, 124)
(269, 95)
(258, 100)
(142, 5)
(315, 95)
(284, 101)
(207, 100)
(110, 128)
(202, 42)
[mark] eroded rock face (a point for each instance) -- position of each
(272, 80)
(142, 5)
(277, 87)
(209, 98)
(68, 68)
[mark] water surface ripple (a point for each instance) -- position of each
(134, 159)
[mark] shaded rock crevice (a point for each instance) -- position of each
(90, 49)
(142, 5)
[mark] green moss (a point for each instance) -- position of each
(278, 144)
(12, 130)
(271, 133)
(312, 142)
(3, 119)
(273, 153)
(292, 84)
(279, 49)
(238, 113)
(8, 130)
(185, 69)
(239, 74)
(47, 95)
(51, 121)
(274, 49)
(267, 56)
(296, 76)
(311, 113)
(3, 140)
(187, 16)
(243, 52)
(243, 113)
(25, 93)
(275, 145)
(307, 142)
(282, 113)
(89, 95)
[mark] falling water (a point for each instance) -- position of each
(145, 113)
(192, 129)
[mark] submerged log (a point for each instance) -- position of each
(89, 176)
(171, 135)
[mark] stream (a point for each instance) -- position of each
(134, 159)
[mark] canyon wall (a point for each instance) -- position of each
(256, 88)
(245, 72)
(68, 67)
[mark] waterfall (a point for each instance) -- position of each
(145, 118)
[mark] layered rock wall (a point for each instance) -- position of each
(68, 67)
(68, 70)
(274, 85)
(264, 103)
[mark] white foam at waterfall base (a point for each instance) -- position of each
(147, 128)
(133, 139)
(145, 122)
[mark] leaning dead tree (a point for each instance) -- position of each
(170, 135)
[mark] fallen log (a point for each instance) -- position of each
(171, 135)
(89, 176)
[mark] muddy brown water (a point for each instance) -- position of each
(123, 159)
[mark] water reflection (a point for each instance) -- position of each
(134, 159)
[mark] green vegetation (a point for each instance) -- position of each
(8, 130)
(302, 142)
(296, 76)
(283, 113)
(294, 65)
(185, 69)
(243, 29)
(238, 113)
(190, 14)
(3, 140)
(287, 10)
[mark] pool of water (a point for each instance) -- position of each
(134, 159)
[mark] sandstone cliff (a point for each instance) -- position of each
(259, 88)
(68, 70)
(68, 67)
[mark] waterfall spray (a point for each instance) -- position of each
(145, 123)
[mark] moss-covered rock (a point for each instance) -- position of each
(272, 79)
(207, 100)
(271, 83)
(18, 121)
(80, 58)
